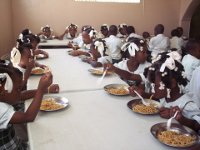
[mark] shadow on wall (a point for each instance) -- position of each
(195, 24)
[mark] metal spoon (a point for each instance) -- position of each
(169, 121)
(143, 100)
(99, 81)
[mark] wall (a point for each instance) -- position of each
(6, 38)
(58, 14)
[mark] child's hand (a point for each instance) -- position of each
(66, 31)
(165, 113)
(31, 64)
(179, 114)
(109, 67)
(139, 89)
(45, 81)
(42, 66)
(54, 88)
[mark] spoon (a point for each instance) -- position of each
(143, 100)
(99, 81)
(169, 122)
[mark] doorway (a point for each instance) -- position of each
(195, 24)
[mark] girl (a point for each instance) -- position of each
(98, 52)
(88, 35)
(167, 78)
(70, 32)
(122, 28)
(10, 93)
(46, 33)
(133, 67)
(131, 33)
(104, 31)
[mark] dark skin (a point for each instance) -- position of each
(36, 51)
(72, 31)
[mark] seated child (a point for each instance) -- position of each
(192, 60)
(10, 93)
(167, 77)
(103, 31)
(132, 69)
(122, 28)
(46, 33)
(131, 33)
(114, 44)
(98, 52)
(70, 32)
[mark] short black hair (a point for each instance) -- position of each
(130, 29)
(113, 30)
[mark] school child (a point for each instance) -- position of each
(46, 33)
(98, 54)
(10, 93)
(167, 78)
(103, 31)
(114, 45)
(192, 60)
(159, 43)
(70, 32)
(132, 68)
(175, 41)
(88, 35)
(122, 28)
(131, 33)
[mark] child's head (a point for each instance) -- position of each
(46, 30)
(130, 29)
(180, 31)
(113, 30)
(174, 32)
(104, 30)
(166, 74)
(98, 48)
(159, 29)
(34, 39)
(123, 28)
(88, 35)
(145, 35)
(136, 48)
(10, 83)
(193, 48)
(72, 29)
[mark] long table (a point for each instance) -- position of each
(94, 119)
(52, 44)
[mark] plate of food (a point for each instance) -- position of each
(39, 71)
(137, 106)
(54, 103)
(178, 136)
(117, 89)
(99, 72)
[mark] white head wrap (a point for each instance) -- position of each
(122, 25)
(9, 84)
(99, 46)
(131, 47)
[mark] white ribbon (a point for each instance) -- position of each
(15, 56)
(132, 47)
(100, 47)
(9, 84)
(92, 33)
(105, 25)
(21, 37)
(122, 25)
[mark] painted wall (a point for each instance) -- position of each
(58, 14)
(6, 38)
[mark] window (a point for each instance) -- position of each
(114, 1)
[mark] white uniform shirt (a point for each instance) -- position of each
(158, 44)
(104, 60)
(190, 63)
(194, 86)
(134, 35)
(191, 110)
(78, 39)
(123, 65)
(68, 36)
(6, 113)
(114, 45)
(176, 42)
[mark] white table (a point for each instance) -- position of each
(55, 43)
(94, 120)
(71, 73)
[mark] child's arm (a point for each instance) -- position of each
(31, 112)
(62, 35)
(93, 62)
(39, 51)
(25, 95)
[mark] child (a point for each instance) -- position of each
(167, 77)
(88, 35)
(122, 31)
(176, 42)
(70, 32)
(98, 52)
(131, 33)
(114, 45)
(192, 60)
(10, 93)
(159, 43)
(132, 69)
(103, 31)
(46, 33)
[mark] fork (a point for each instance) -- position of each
(169, 121)
(99, 81)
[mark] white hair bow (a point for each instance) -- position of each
(92, 33)
(122, 25)
(15, 56)
(132, 47)
(105, 25)
(9, 84)
(21, 37)
(99, 46)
